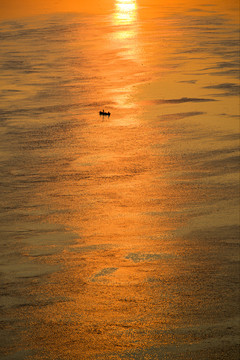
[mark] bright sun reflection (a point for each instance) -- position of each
(126, 11)
(125, 39)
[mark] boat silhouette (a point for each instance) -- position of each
(104, 113)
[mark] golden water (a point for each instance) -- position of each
(119, 235)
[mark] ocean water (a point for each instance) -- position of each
(120, 234)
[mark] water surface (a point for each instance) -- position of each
(119, 235)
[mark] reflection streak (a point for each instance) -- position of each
(125, 37)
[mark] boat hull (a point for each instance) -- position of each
(104, 113)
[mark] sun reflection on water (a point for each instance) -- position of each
(126, 39)
(126, 12)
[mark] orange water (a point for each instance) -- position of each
(119, 234)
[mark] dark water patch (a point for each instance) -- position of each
(16, 64)
(230, 89)
(142, 257)
(197, 10)
(227, 67)
(104, 272)
(44, 132)
(188, 81)
(229, 234)
(224, 65)
(10, 91)
(35, 234)
(18, 302)
(42, 236)
(12, 24)
(203, 163)
(178, 348)
(226, 165)
(213, 168)
(210, 26)
(227, 50)
(231, 73)
(176, 101)
(195, 21)
(28, 270)
(18, 355)
(229, 137)
(208, 154)
(47, 31)
(179, 116)
(44, 109)
(229, 115)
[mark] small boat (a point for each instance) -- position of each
(104, 113)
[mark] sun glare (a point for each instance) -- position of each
(126, 11)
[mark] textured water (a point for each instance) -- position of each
(119, 235)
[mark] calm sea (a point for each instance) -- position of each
(119, 235)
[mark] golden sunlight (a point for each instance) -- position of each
(126, 38)
(126, 11)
